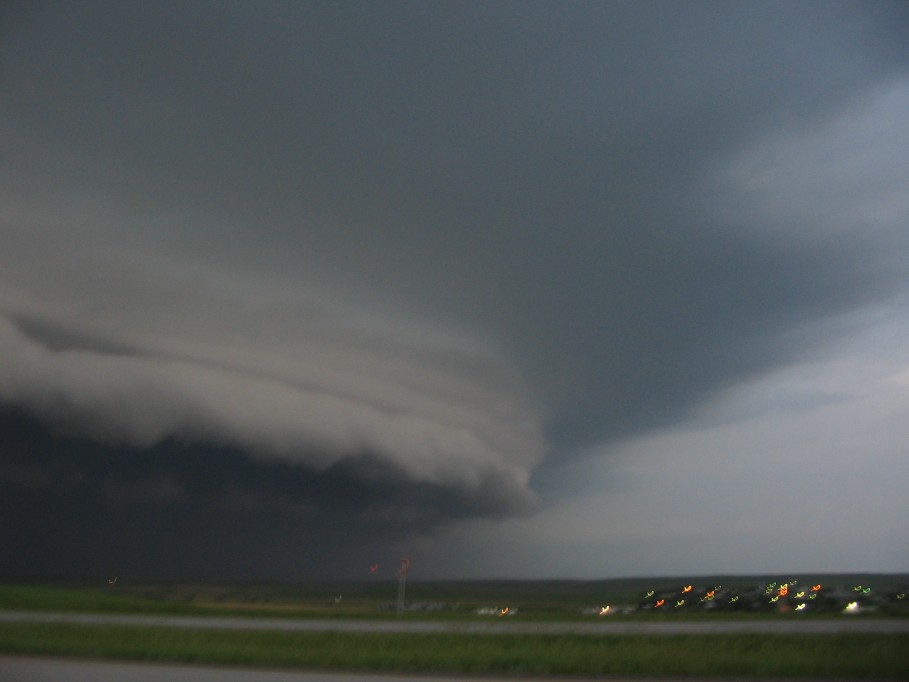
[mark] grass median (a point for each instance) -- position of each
(734, 655)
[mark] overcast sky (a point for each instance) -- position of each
(515, 289)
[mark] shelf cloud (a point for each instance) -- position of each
(393, 275)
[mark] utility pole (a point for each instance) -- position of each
(402, 583)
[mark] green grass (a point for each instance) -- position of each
(831, 656)
(48, 598)
(534, 601)
(735, 655)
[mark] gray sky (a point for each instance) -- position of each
(289, 289)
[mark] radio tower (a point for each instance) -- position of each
(402, 583)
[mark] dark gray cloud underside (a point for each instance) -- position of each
(179, 511)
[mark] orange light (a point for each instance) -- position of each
(660, 602)
(816, 588)
(687, 588)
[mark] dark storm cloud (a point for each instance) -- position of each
(538, 170)
(454, 236)
(319, 416)
(174, 510)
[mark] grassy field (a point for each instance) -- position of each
(734, 655)
(766, 656)
(532, 600)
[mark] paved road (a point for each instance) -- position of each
(14, 669)
(788, 626)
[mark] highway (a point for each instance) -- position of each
(14, 669)
(842, 624)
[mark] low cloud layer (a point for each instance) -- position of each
(140, 398)
(176, 510)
